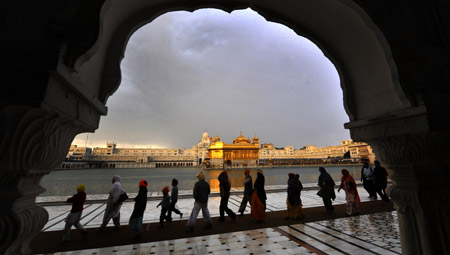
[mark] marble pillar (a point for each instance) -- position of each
(417, 157)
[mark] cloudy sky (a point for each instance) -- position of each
(187, 72)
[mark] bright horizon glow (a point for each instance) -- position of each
(186, 72)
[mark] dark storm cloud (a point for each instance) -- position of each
(186, 72)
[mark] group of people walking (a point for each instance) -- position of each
(374, 181)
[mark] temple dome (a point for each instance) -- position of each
(241, 139)
(217, 139)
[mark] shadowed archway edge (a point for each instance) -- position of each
(341, 29)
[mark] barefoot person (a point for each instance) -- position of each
(293, 202)
(140, 203)
(351, 193)
(367, 177)
(173, 201)
(73, 219)
(248, 190)
(258, 209)
(113, 205)
(326, 184)
(165, 205)
(225, 187)
(201, 193)
(380, 181)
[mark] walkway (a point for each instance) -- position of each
(319, 233)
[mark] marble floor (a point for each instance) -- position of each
(367, 234)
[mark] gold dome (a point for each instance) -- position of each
(241, 139)
(217, 139)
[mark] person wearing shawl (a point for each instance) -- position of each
(248, 190)
(294, 208)
(258, 209)
(113, 206)
(326, 184)
(225, 187)
(165, 205)
(351, 192)
(201, 193)
(140, 203)
(73, 218)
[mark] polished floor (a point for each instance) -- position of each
(364, 234)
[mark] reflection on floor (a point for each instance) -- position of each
(367, 234)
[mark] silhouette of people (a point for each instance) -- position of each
(380, 180)
(225, 187)
(113, 205)
(367, 177)
(165, 205)
(173, 201)
(294, 208)
(201, 193)
(73, 218)
(140, 203)
(326, 184)
(258, 204)
(351, 193)
(248, 190)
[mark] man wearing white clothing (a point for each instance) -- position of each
(113, 206)
(367, 177)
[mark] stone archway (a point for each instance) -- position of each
(394, 93)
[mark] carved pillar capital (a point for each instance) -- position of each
(33, 141)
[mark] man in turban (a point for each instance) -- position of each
(73, 219)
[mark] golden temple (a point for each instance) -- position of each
(241, 153)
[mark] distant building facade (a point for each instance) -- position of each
(357, 152)
(78, 153)
(214, 153)
(151, 157)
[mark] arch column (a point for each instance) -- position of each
(33, 141)
(417, 156)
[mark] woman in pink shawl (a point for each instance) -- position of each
(351, 193)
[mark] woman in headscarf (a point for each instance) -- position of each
(326, 184)
(140, 203)
(294, 208)
(225, 188)
(258, 204)
(351, 192)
